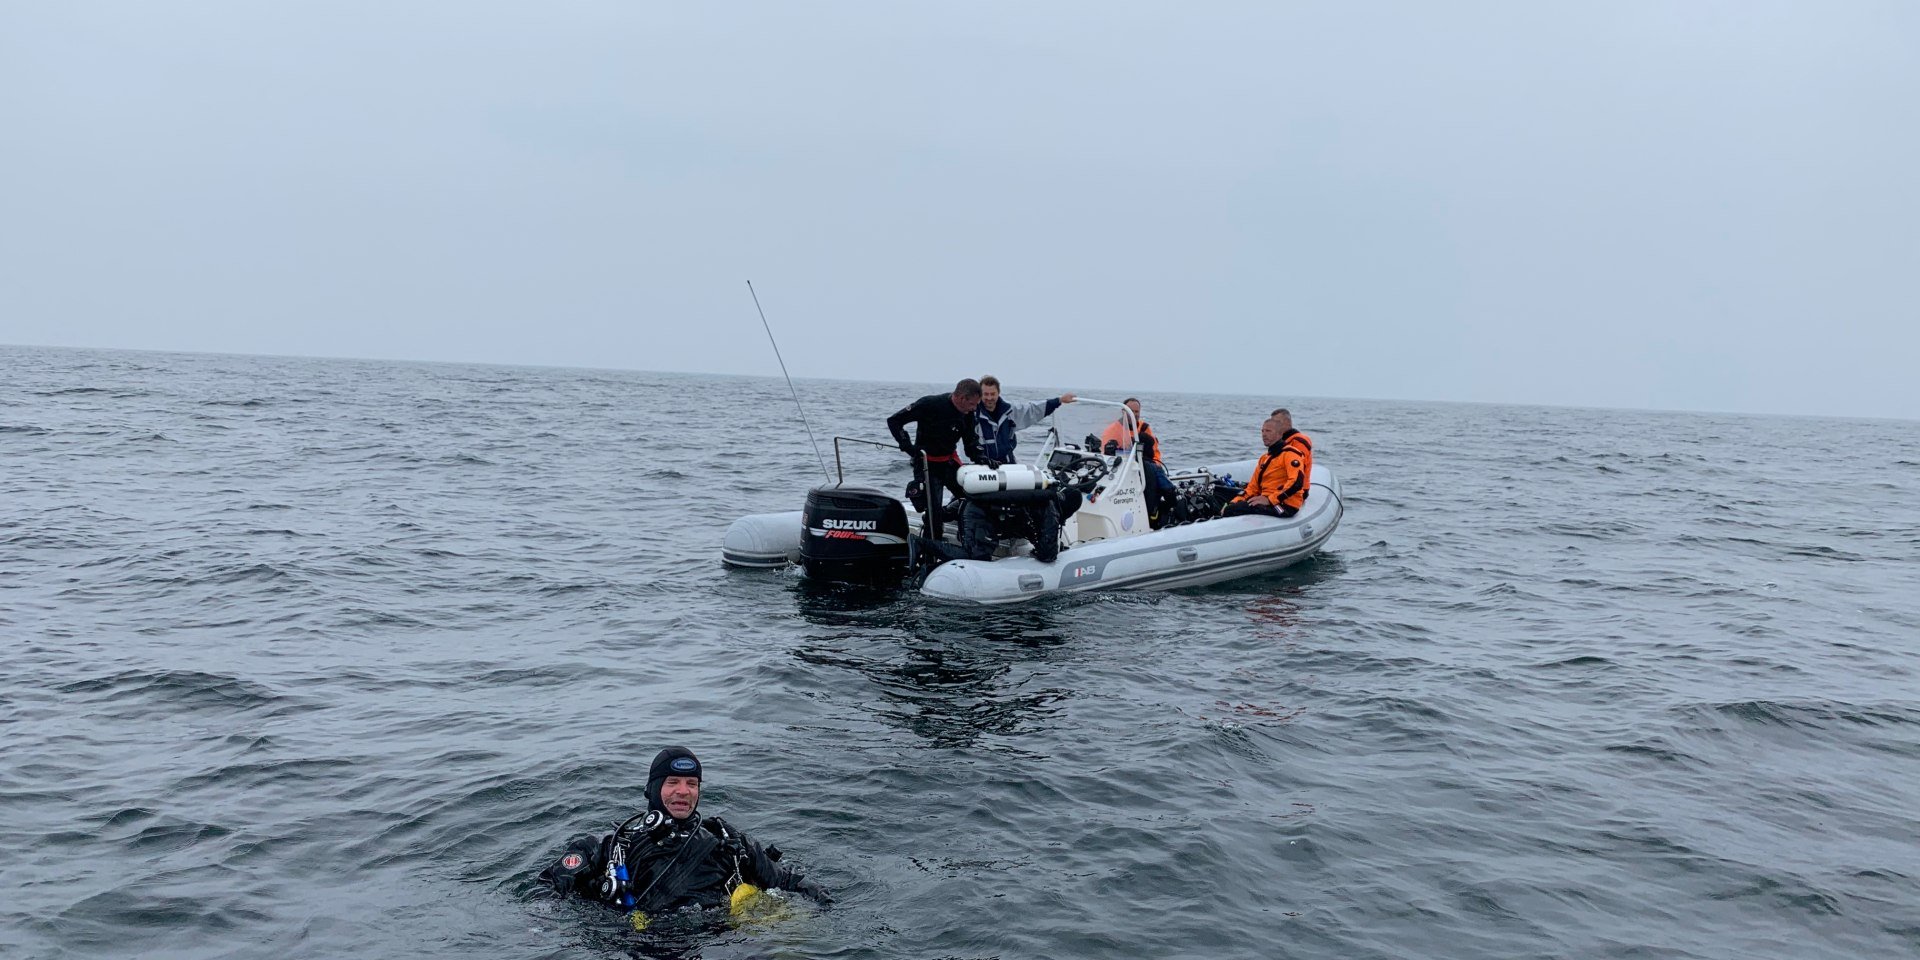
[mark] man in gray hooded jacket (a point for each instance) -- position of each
(996, 419)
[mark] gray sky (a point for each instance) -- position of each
(1662, 204)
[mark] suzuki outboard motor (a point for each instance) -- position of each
(854, 535)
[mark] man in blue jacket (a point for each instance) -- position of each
(996, 419)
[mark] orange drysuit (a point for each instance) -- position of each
(1117, 433)
(1283, 474)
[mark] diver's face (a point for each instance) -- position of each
(990, 395)
(680, 795)
(1134, 405)
(1269, 432)
(964, 403)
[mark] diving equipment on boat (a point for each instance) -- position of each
(1008, 478)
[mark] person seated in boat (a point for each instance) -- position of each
(1285, 417)
(1163, 501)
(1278, 487)
(996, 419)
(669, 857)
(942, 420)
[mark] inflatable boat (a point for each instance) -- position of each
(1087, 528)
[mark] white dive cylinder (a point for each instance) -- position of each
(975, 478)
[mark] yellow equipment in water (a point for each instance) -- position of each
(742, 899)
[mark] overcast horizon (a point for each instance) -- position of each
(1015, 389)
(1706, 207)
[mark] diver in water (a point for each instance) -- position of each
(669, 857)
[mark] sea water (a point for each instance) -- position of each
(326, 658)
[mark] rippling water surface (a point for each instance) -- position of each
(324, 658)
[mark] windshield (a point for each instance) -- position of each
(1084, 425)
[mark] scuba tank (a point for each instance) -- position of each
(976, 479)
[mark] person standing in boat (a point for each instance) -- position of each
(1162, 499)
(669, 857)
(1279, 484)
(996, 419)
(942, 419)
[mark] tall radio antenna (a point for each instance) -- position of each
(790, 389)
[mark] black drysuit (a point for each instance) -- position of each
(692, 863)
(941, 425)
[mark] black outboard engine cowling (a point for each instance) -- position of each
(854, 535)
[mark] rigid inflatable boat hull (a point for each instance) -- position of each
(1188, 555)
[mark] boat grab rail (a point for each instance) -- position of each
(840, 468)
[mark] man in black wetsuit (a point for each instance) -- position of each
(943, 419)
(670, 857)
